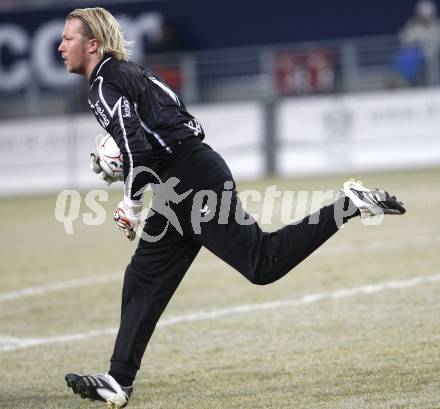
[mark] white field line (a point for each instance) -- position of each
(375, 246)
(13, 343)
(61, 285)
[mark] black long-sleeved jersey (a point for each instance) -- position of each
(143, 115)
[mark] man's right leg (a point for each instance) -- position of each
(261, 257)
(264, 257)
(151, 278)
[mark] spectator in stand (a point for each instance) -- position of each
(423, 29)
(420, 39)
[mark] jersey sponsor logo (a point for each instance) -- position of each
(126, 112)
(195, 126)
(100, 112)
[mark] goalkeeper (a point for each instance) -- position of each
(153, 129)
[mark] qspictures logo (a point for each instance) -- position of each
(268, 206)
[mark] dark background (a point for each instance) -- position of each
(206, 24)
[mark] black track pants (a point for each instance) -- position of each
(157, 268)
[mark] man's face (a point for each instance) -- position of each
(74, 47)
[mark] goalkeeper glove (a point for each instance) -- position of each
(96, 167)
(128, 217)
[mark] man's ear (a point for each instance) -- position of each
(93, 45)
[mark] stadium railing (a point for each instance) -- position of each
(258, 72)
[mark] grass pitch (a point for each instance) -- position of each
(376, 347)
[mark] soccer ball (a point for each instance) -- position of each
(110, 157)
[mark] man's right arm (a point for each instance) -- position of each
(116, 113)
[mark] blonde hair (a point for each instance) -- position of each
(100, 24)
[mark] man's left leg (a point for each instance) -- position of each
(150, 280)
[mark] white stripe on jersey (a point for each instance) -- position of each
(166, 89)
(99, 69)
(127, 147)
(118, 108)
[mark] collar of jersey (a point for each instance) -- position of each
(98, 67)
